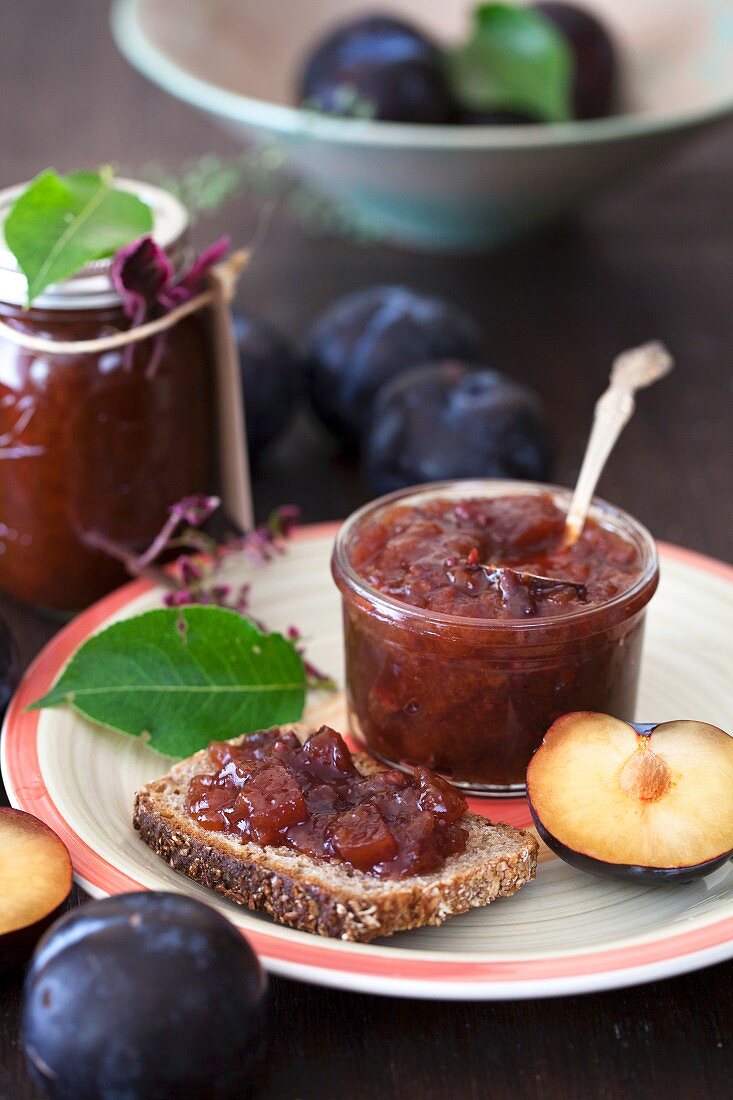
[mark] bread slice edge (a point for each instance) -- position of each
(329, 899)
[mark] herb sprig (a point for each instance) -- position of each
(180, 677)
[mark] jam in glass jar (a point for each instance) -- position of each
(94, 443)
(469, 627)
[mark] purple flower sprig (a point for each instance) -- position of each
(188, 514)
(192, 577)
(144, 277)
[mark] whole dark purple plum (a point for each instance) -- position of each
(380, 68)
(145, 996)
(368, 338)
(454, 420)
(272, 380)
(596, 66)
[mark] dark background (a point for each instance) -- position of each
(654, 259)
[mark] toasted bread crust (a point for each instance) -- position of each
(326, 898)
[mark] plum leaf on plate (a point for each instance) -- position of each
(178, 676)
(647, 803)
(515, 61)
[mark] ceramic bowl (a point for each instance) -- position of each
(436, 187)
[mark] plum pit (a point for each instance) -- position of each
(645, 776)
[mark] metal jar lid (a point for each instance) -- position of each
(91, 288)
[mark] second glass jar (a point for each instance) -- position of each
(94, 443)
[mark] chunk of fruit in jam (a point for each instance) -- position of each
(211, 804)
(324, 799)
(311, 798)
(310, 837)
(325, 757)
(495, 557)
(270, 801)
(382, 782)
(257, 746)
(440, 797)
(513, 531)
(361, 837)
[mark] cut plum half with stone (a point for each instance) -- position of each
(35, 881)
(651, 803)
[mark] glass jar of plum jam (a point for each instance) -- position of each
(469, 628)
(94, 442)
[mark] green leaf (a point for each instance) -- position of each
(61, 223)
(515, 61)
(182, 678)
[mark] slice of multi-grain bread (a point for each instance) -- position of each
(329, 898)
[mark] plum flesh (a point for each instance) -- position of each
(378, 68)
(649, 803)
(35, 881)
(627, 872)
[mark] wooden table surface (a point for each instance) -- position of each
(654, 259)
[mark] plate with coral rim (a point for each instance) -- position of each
(567, 932)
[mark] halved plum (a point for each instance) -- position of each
(650, 803)
(35, 881)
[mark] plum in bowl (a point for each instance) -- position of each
(427, 184)
(645, 803)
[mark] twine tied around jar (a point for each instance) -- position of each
(222, 281)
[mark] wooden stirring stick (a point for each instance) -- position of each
(632, 370)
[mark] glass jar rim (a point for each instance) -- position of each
(467, 488)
